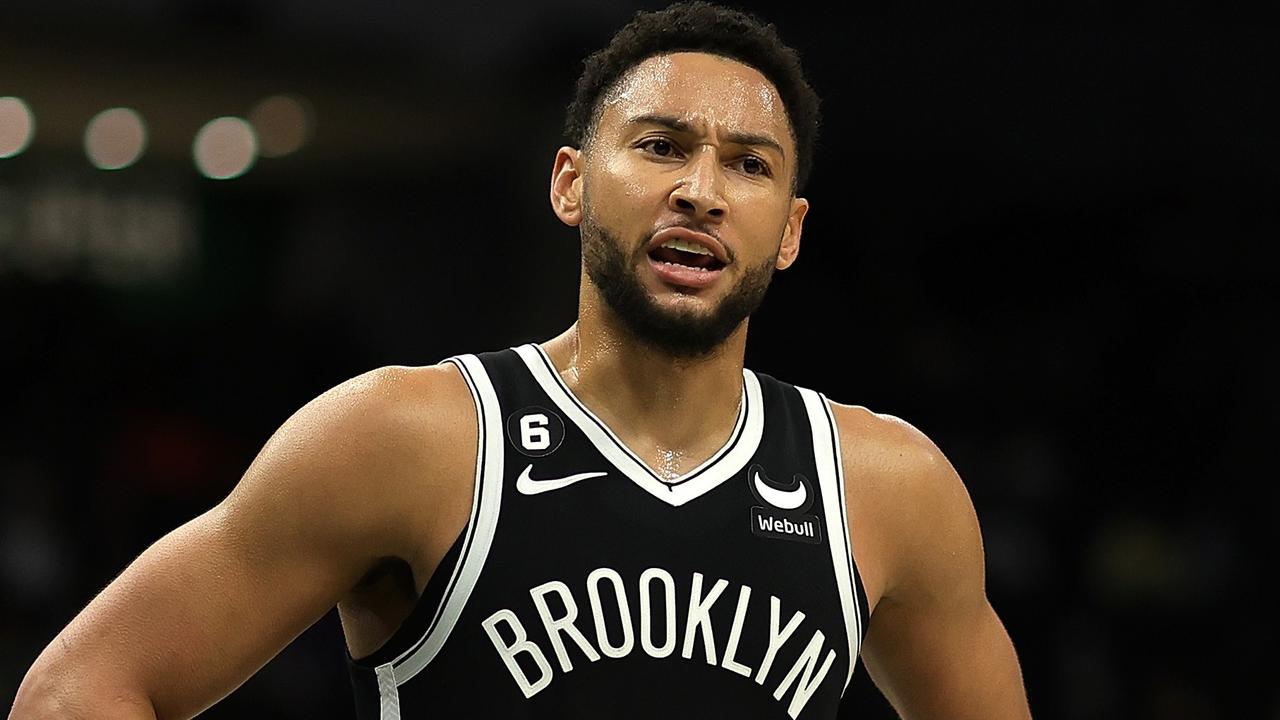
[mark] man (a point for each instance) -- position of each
(619, 522)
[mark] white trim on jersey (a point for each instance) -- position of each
(389, 695)
(731, 458)
(485, 505)
(847, 553)
(826, 449)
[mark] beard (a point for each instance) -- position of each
(682, 333)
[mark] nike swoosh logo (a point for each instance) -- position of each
(785, 499)
(529, 486)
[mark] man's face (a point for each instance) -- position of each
(686, 199)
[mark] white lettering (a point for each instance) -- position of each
(522, 644)
(646, 632)
(565, 625)
(602, 635)
(776, 639)
(808, 682)
(735, 634)
(802, 681)
(700, 618)
(784, 525)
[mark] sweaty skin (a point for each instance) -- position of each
(356, 498)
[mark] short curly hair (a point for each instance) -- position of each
(699, 27)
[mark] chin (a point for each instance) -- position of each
(685, 303)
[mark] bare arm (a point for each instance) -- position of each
(934, 647)
(210, 603)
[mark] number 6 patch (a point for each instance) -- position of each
(535, 431)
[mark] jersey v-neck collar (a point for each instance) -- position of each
(724, 464)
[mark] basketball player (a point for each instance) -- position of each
(618, 522)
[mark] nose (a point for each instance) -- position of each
(698, 193)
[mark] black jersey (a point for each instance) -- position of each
(586, 586)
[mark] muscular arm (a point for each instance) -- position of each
(210, 603)
(934, 647)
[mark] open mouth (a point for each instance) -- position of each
(685, 254)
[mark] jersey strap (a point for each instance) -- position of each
(826, 450)
(485, 508)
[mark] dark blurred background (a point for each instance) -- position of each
(1036, 234)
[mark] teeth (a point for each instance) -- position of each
(686, 246)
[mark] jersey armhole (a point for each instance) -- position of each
(860, 591)
(419, 619)
(440, 607)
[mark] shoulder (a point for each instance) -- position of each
(915, 508)
(361, 458)
(890, 449)
(394, 400)
(386, 411)
(885, 452)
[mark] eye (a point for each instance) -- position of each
(661, 147)
(752, 165)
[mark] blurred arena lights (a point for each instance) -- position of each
(114, 139)
(283, 123)
(17, 126)
(225, 148)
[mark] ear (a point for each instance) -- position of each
(790, 247)
(566, 186)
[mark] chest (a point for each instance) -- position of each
(579, 569)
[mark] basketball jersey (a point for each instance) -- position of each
(584, 585)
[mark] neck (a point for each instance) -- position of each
(674, 412)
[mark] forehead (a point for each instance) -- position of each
(701, 89)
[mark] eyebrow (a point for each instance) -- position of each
(678, 125)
